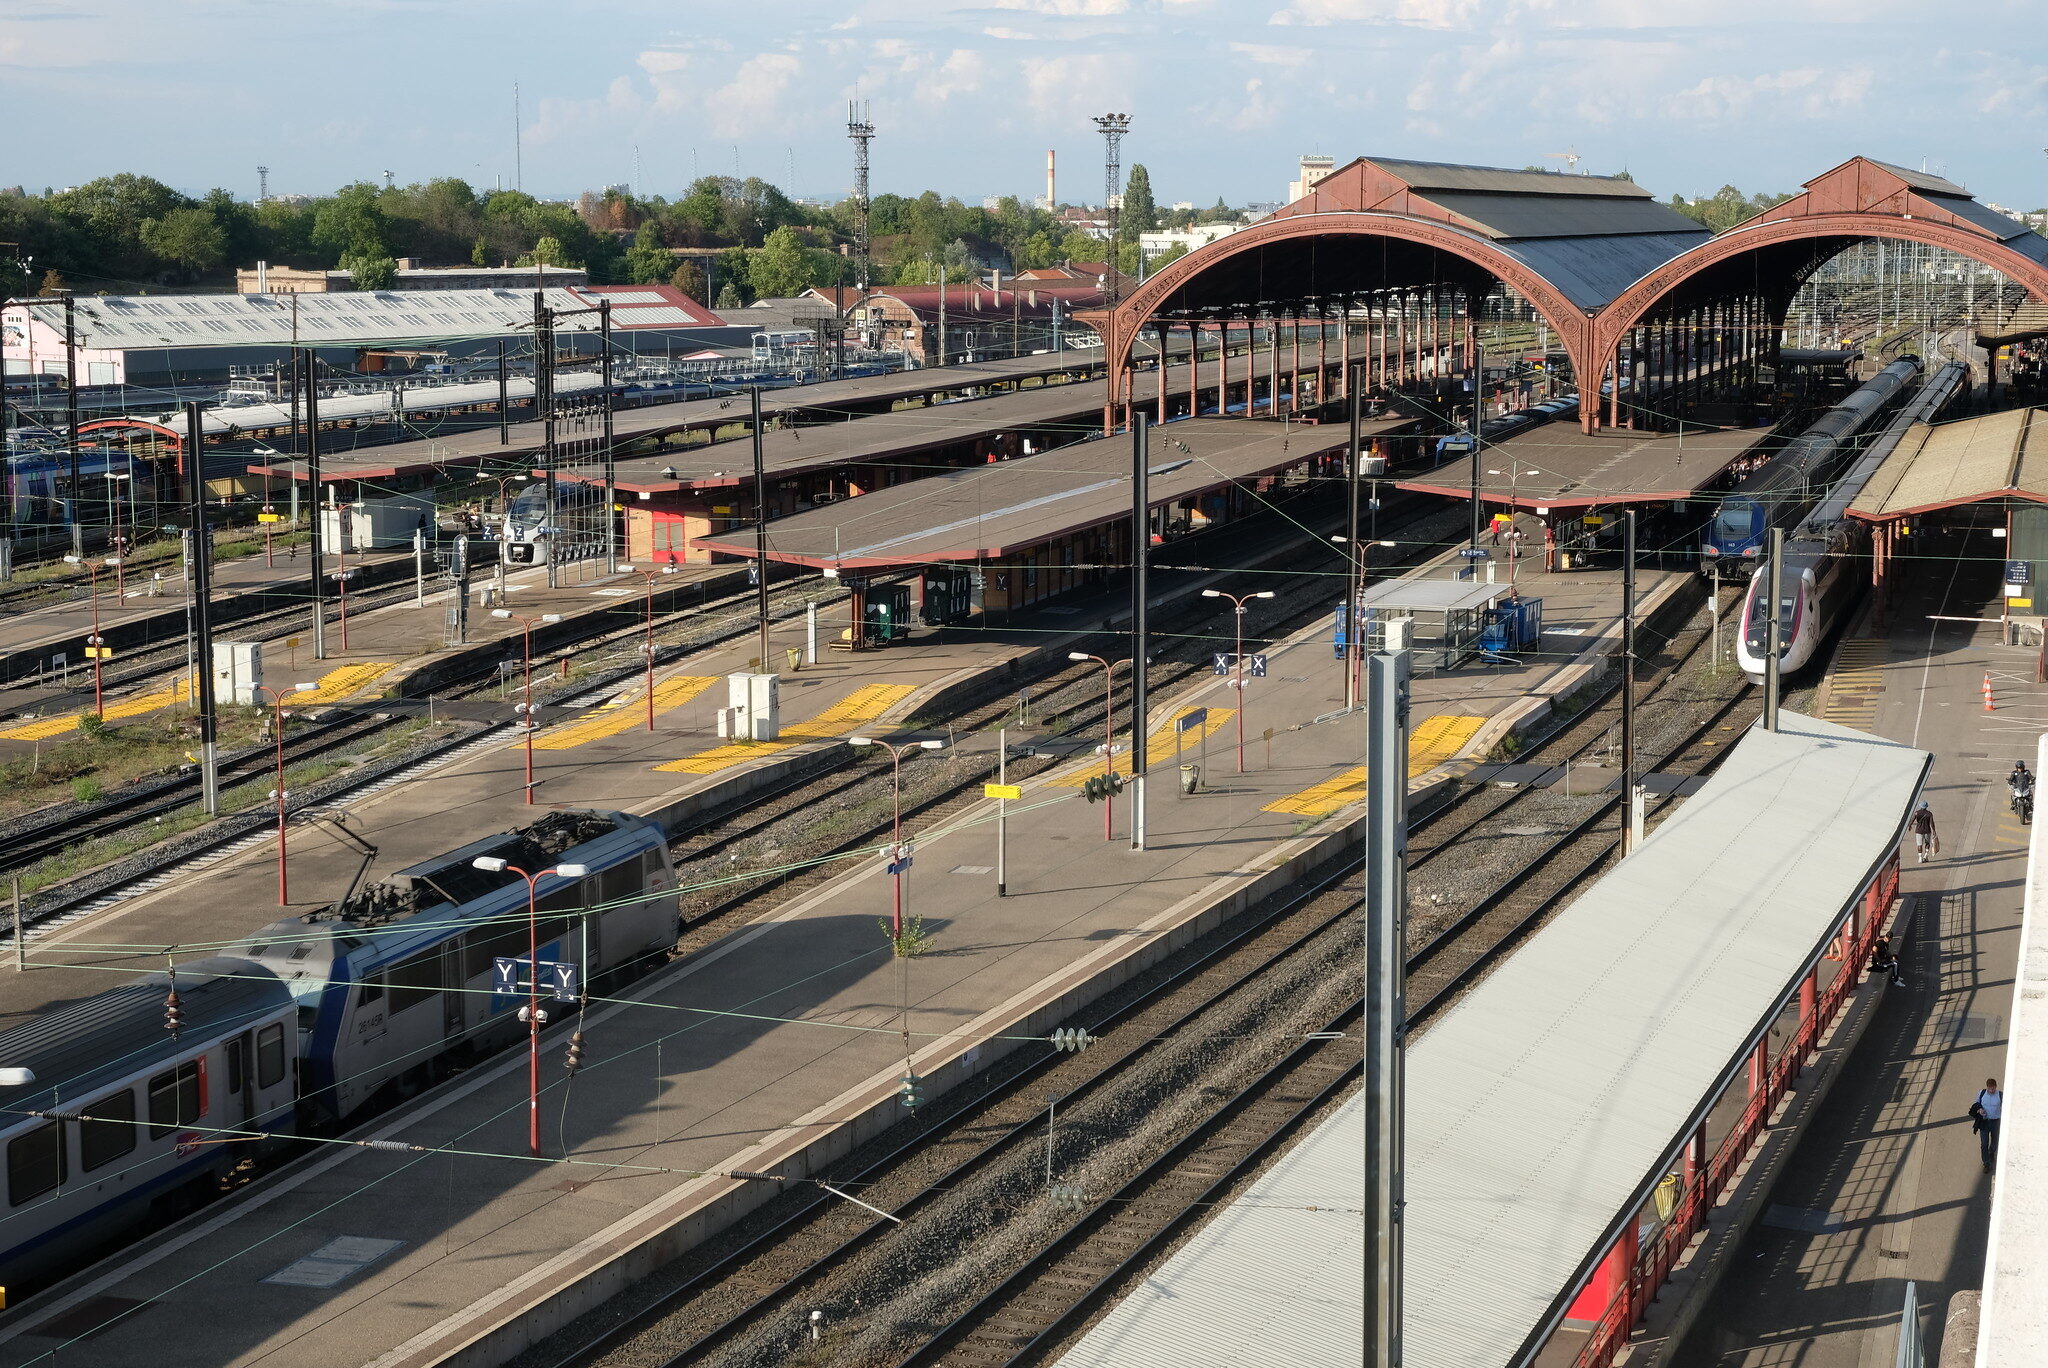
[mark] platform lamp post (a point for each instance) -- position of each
(650, 576)
(505, 526)
(896, 860)
(493, 865)
(95, 645)
(116, 483)
(1237, 603)
(525, 709)
(277, 698)
(1514, 474)
(1354, 639)
(1108, 736)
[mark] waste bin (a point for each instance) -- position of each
(1190, 778)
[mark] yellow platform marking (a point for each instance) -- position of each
(1439, 738)
(338, 684)
(1159, 746)
(42, 729)
(624, 714)
(1855, 683)
(848, 715)
(857, 709)
(1322, 799)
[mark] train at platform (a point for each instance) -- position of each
(1461, 443)
(1791, 480)
(149, 1098)
(536, 531)
(1825, 561)
(39, 492)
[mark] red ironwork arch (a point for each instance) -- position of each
(1120, 326)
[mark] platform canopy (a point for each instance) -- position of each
(1946, 465)
(992, 511)
(1557, 466)
(1545, 1105)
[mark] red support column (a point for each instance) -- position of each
(1633, 1300)
(1223, 372)
(1344, 353)
(1272, 370)
(1809, 995)
(1161, 335)
(1759, 1063)
(1195, 331)
(1695, 1156)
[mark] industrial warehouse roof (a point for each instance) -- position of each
(1557, 466)
(1997, 456)
(989, 511)
(1543, 1107)
(370, 317)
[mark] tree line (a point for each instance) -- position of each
(725, 240)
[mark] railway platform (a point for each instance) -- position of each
(1884, 1184)
(773, 1049)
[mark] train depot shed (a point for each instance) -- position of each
(1029, 529)
(1637, 1044)
(1574, 482)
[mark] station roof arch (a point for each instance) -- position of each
(1566, 243)
(1773, 253)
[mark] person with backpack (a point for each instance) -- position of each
(1926, 839)
(1984, 1114)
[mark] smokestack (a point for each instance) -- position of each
(1051, 201)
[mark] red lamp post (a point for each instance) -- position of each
(1354, 646)
(650, 576)
(1108, 735)
(277, 727)
(526, 708)
(896, 754)
(1237, 602)
(533, 1013)
(95, 645)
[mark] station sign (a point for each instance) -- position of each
(1254, 664)
(1189, 720)
(508, 977)
(1002, 791)
(2019, 572)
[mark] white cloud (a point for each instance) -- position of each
(752, 101)
(1091, 8)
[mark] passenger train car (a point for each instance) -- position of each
(39, 491)
(1824, 571)
(1796, 476)
(535, 533)
(311, 1025)
(1505, 426)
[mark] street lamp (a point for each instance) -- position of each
(95, 645)
(1237, 603)
(1354, 638)
(1514, 474)
(650, 576)
(525, 709)
(1108, 737)
(896, 854)
(114, 479)
(493, 865)
(277, 698)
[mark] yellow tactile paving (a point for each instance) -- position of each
(1439, 738)
(1159, 747)
(1325, 798)
(336, 685)
(624, 714)
(42, 729)
(721, 757)
(1856, 682)
(848, 715)
(855, 710)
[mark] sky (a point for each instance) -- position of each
(1224, 95)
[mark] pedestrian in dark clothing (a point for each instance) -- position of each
(1984, 1114)
(1883, 961)
(1926, 839)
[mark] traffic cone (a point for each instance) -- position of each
(1989, 706)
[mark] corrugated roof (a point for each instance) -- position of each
(1428, 176)
(1922, 180)
(1591, 271)
(1559, 466)
(1548, 1101)
(152, 322)
(1998, 455)
(1550, 216)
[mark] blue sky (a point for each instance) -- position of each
(1223, 94)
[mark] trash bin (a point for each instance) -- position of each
(1190, 778)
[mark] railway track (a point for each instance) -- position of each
(746, 1305)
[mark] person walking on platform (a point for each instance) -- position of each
(1499, 524)
(1926, 840)
(1984, 1114)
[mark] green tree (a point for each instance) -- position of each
(370, 271)
(53, 284)
(480, 254)
(109, 214)
(1173, 253)
(779, 268)
(647, 261)
(547, 251)
(1140, 214)
(187, 237)
(689, 280)
(729, 297)
(350, 223)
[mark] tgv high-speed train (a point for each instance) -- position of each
(308, 1026)
(1795, 477)
(1824, 570)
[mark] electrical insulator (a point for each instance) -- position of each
(575, 1059)
(174, 1015)
(911, 1093)
(1071, 1039)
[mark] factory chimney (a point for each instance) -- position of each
(1051, 200)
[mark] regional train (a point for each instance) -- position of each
(1824, 569)
(1795, 477)
(535, 533)
(308, 1026)
(39, 493)
(1505, 426)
